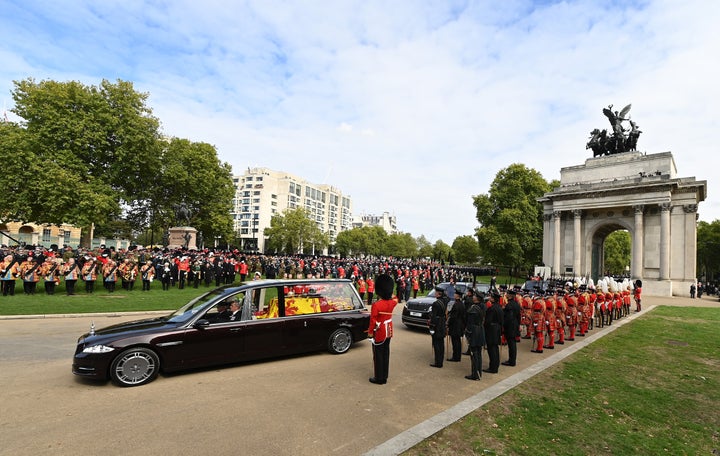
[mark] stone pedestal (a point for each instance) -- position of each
(179, 236)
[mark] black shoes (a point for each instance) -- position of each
(489, 371)
(560, 343)
(376, 381)
(454, 360)
(507, 363)
(536, 351)
(470, 377)
(436, 365)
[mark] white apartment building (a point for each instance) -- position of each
(261, 193)
(385, 221)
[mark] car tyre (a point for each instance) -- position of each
(340, 341)
(134, 367)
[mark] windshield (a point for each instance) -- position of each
(191, 308)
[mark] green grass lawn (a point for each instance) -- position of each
(651, 387)
(99, 301)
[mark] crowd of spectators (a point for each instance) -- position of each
(207, 267)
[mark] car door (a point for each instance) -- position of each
(207, 343)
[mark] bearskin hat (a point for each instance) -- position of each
(384, 285)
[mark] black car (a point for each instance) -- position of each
(416, 312)
(261, 319)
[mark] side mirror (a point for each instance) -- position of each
(201, 324)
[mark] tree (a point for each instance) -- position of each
(294, 232)
(510, 217)
(190, 174)
(441, 251)
(366, 240)
(618, 252)
(85, 149)
(466, 249)
(708, 250)
(400, 245)
(424, 247)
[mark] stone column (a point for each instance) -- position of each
(665, 209)
(556, 243)
(638, 243)
(577, 246)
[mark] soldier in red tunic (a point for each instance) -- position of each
(381, 328)
(637, 292)
(538, 324)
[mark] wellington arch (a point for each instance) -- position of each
(631, 191)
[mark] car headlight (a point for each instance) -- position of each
(98, 349)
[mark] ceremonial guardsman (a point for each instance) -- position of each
(89, 274)
(362, 288)
(550, 322)
(581, 313)
(601, 308)
(380, 330)
(30, 273)
(626, 301)
(370, 290)
(538, 324)
(560, 309)
(637, 293)
(587, 311)
(50, 271)
(527, 303)
(571, 314)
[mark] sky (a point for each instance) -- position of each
(407, 106)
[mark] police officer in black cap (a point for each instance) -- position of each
(438, 325)
(493, 331)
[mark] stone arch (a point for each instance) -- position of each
(26, 229)
(597, 245)
(634, 191)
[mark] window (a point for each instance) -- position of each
(46, 235)
(320, 297)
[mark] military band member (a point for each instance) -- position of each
(89, 274)
(147, 273)
(50, 271)
(380, 330)
(30, 273)
(110, 273)
(71, 272)
(9, 272)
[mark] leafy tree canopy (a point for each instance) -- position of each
(510, 217)
(293, 232)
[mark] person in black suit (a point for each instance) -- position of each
(456, 325)
(493, 331)
(511, 327)
(438, 325)
(235, 310)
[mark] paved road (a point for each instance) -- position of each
(306, 405)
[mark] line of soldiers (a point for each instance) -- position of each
(505, 316)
